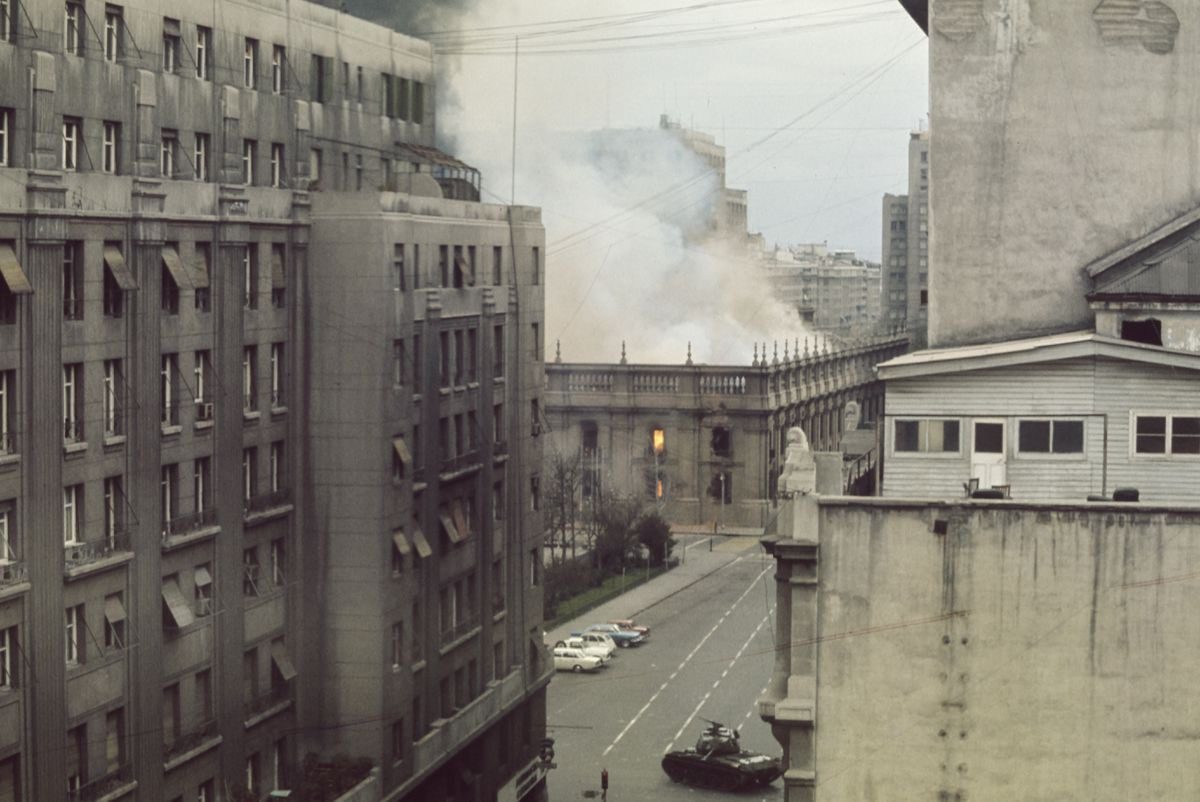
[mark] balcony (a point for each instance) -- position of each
(264, 503)
(13, 572)
(191, 741)
(81, 555)
(106, 785)
(204, 411)
(460, 630)
(266, 704)
(183, 525)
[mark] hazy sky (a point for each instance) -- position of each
(814, 100)
(856, 68)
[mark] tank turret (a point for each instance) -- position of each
(718, 761)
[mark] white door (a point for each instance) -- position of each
(988, 452)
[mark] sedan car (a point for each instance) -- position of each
(621, 637)
(567, 659)
(595, 650)
(626, 623)
(600, 639)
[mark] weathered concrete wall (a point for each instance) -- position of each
(1030, 653)
(1061, 129)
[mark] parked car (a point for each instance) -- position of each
(567, 659)
(597, 639)
(626, 623)
(621, 637)
(586, 647)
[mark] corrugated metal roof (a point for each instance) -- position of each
(1047, 348)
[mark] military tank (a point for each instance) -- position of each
(718, 761)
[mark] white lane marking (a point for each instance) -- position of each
(740, 652)
(691, 654)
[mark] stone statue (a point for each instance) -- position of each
(851, 416)
(799, 475)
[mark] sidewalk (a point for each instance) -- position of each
(699, 563)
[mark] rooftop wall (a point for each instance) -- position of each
(1061, 130)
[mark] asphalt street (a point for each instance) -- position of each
(709, 657)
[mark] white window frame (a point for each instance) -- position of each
(397, 645)
(71, 516)
(198, 375)
(276, 373)
(112, 34)
(170, 366)
(112, 378)
(249, 394)
(166, 483)
(71, 131)
(250, 63)
(72, 29)
(1169, 416)
(6, 662)
(1051, 454)
(276, 456)
(71, 633)
(248, 148)
(200, 469)
(278, 563)
(70, 397)
(278, 56)
(201, 157)
(6, 19)
(112, 490)
(5, 542)
(170, 61)
(203, 46)
(168, 145)
(277, 157)
(248, 468)
(924, 454)
(108, 157)
(5, 126)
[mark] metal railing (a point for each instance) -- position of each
(204, 731)
(192, 522)
(103, 785)
(261, 702)
(13, 572)
(8, 443)
(458, 630)
(87, 552)
(267, 501)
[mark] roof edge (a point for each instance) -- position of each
(919, 11)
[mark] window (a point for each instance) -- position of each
(205, 792)
(171, 43)
(398, 363)
(1167, 435)
(6, 124)
(202, 364)
(170, 714)
(203, 269)
(536, 265)
(278, 466)
(536, 344)
(360, 81)
(250, 569)
(168, 291)
(169, 489)
(658, 442)
(114, 497)
(168, 149)
(397, 645)
(204, 697)
(249, 469)
(277, 171)
(320, 78)
(1050, 437)
(73, 402)
(114, 738)
(314, 166)
(73, 30)
(278, 562)
(113, 23)
(202, 576)
(418, 103)
(114, 388)
(73, 281)
(497, 351)
(200, 163)
(278, 276)
(75, 640)
(249, 154)
(416, 261)
(924, 297)
(535, 493)
(444, 265)
(6, 539)
(8, 647)
(250, 277)
(498, 423)
(927, 436)
(250, 64)
(7, 22)
(444, 358)
(202, 484)
(278, 398)
(345, 180)
(114, 621)
(722, 442)
(203, 52)
(110, 147)
(249, 372)
(76, 756)
(170, 394)
(358, 172)
(278, 59)
(70, 143)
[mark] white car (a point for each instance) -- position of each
(597, 639)
(586, 647)
(568, 659)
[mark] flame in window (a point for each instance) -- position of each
(659, 439)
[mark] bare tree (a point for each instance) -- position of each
(562, 500)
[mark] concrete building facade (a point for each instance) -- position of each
(705, 442)
(173, 275)
(906, 247)
(831, 290)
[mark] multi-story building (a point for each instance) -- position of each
(728, 216)
(233, 262)
(906, 247)
(832, 291)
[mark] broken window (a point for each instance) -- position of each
(721, 487)
(1147, 331)
(658, 441)
(722, 441)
